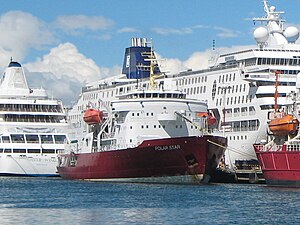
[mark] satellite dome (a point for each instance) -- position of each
(272, 8)
(291, 34)
(261, 34)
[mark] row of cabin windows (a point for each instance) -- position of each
(244, 111)
(163, 126)
(102, 104)
(33, 138)
(234, 100)
(155, 95)
(122, 90)
(278, 61)
(237, 137)
(191, 80)
(233, 89)
(31, 151)
(107, 93)
(244, 125)
(147, 126)
(226, 78)
(33, 118)
(30, 108)
(195, 90)
(138, 114)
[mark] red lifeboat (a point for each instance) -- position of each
(284, 125)
(93, 116)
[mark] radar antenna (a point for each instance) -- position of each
(271, 15)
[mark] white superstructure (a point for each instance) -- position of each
(239, 86)
(32, 127)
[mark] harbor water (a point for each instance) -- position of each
(57, 201)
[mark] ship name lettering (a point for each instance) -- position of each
(167, 147)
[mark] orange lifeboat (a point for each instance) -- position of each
(284, 125)
(211, 120)
(93, 116)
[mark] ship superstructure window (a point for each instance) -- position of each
(59, 139)
(7, 150)
(17, 150)
(34, 118)
(30, 108)
(228, 112)
(250, 62)
(17, 138)
(245, 125)
(48, 151)
(214, 89)
(244, 111)
(251, 110)
(33, 150)
(5, 139)
(32, 138)
(46, 139)
(278, 61)
(236, 112)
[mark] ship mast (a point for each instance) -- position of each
(277, 72)
(153, 64)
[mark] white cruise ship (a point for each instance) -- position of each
(239, 86)
(32, 127)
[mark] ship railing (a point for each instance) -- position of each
(270, 147)
(292, 147)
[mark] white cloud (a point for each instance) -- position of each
(76, 23)
(225, 32)
(63, 88)
(197, 61)
(127, 30)
(66, 60)
(21, 32)
(64, 71)
(168, 31)
(222, 31)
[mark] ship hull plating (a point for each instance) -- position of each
(169, 160)
(280, 167)
(34, 166)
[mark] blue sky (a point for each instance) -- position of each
(84, 40)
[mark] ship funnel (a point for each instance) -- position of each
(13, 77)
(136, 65)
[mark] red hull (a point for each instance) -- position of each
(163, 158)
(281, 167)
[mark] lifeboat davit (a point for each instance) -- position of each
(284, 125)
(93, 116)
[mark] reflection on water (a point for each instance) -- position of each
(56, 201)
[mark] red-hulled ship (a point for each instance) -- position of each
(280, 163)
(280, 158)
(152, 134)
(168, 160)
